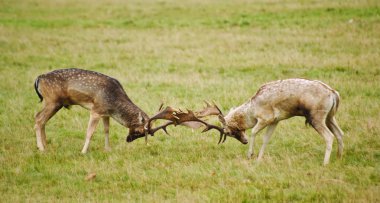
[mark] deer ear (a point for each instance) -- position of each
(141, 118)
(226, 131)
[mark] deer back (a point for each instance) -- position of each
(294, 97)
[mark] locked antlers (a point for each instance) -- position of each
(190, 116)
(168, 113)
(189, 119)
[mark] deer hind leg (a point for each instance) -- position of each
(106, 123)
(41, 119)
(256, 129)
(266, 138)
(319, 124)
(335, 129)
(94, 120)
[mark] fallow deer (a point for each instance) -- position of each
(102, 95)
(279, 100)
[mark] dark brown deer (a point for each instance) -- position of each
(102, 95)
(279, 100)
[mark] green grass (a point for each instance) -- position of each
(182, 53)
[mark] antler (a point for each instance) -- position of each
(168, 113)
(190, 116)
(177, 117)
(209, 110)
(212, 110)
(163, 127)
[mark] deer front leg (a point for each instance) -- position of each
(266, 139)
(106, 123)
(94, 120)
(256, 129)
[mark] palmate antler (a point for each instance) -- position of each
(209, 110)
(213, 110)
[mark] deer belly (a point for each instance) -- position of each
(87, 105)
(81, 98)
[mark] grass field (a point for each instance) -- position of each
(181, 53)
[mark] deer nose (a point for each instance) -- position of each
(130, 139)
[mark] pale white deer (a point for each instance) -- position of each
(102, 95)
(279, 100)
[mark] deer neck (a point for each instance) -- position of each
(240, 117)
(128, 114)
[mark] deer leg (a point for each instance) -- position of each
(266, 139)
(256, 129)
(94, 120)
(106, 123)
(41, 119)
(43, 136)
(324, 131)
(335, 129)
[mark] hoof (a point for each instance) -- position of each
(249, 155)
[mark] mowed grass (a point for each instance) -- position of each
(182, 53)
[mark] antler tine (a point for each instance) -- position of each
(207, 103)
(225, 137)
(216, 106)
(221, 131)
(161, 105)
(163, 127)
(190, 111)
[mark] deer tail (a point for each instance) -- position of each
(336, 100)
(36, 88)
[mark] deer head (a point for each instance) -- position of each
(226, 130)
(145, 127)
(137, 130)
